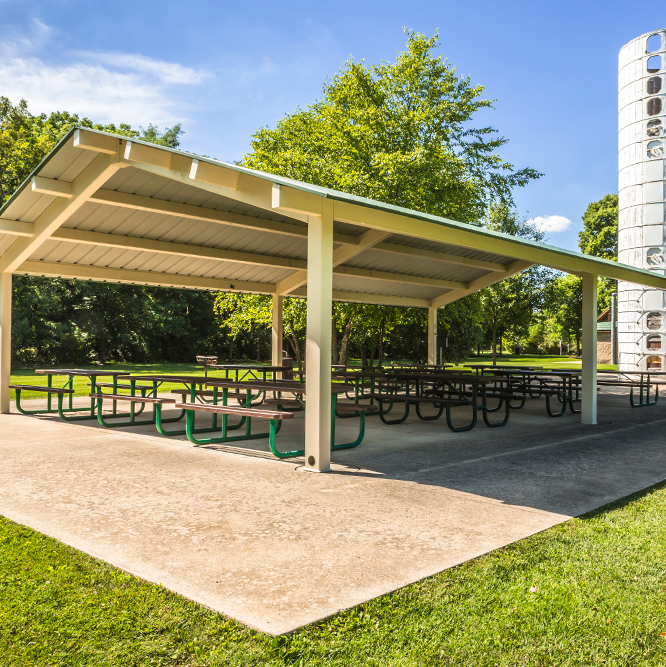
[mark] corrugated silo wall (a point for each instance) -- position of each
(642, 122)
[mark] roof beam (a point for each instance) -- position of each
(342, 254)
(49, 186)
(169, 248)
(440, 256)
(108, 274)
(153, 205)
(94, 141)
(88, 181)
(478, 284)
(16, 228)
(369, 274)
(366, 297)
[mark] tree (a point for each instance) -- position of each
(565, 302)
(397, 132)
(599, 238)
(600, 226)
(462, 322)
(401, 133)
(509, 304)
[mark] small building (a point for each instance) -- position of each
(604, 335)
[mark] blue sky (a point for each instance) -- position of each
(224, 69)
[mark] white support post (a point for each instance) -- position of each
(277, 332)
(5, 339)
(589, 378)
(432, 336)
(318, 341)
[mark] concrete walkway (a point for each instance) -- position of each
(275, 547)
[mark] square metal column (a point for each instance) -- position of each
(432, 336)
(5, 339)
(277, 332)
(318, 341)
(589, 379)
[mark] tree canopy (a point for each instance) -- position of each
(401, 133)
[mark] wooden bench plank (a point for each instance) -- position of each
(134, 399)
(50, 390)
(109, 385)
(355, 407)
(402, 398)
(232, 410)
(289, 402)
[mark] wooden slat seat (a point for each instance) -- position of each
(50, 390)
(287, 402)
(109, 385)
(629, 383)
(199, 392)
(355, 407)
(232, 410)
(403, 398)
(134, 399)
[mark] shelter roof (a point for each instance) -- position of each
(104, 207)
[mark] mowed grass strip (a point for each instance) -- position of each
(591, 591)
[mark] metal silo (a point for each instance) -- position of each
(642, 139)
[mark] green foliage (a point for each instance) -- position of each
(463, 323)
(399, 133)
(565, 303)
(599, 585)
(600, 224)
(599, 238)
(76, 322)
(510, 304)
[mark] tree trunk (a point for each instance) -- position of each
(345, 342)
(578, 345)
(258, 349)
(380, 346)
(494, 341)
(364, 354)
(295, 347)
(501, 341)
(334, 342)
(230, 350)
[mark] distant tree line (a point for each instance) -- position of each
(398, 132)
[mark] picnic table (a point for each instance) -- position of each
(563, 384)
(446, 389)
(254, 371)
(644, 383)
(67, 389)
(277, 387)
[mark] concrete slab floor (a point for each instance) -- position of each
(276, 548)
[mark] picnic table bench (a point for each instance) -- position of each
(277, 388)
(69, 412)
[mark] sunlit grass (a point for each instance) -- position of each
(590, 591)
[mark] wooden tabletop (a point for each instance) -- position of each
(79, 371)
(291, 387)
(633, 372)
(502, 368)
(186, 379)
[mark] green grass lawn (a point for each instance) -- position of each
(81, 388)
(591, 591)
(28, 375)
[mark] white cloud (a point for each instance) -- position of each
(106, 87)
(551, 223)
